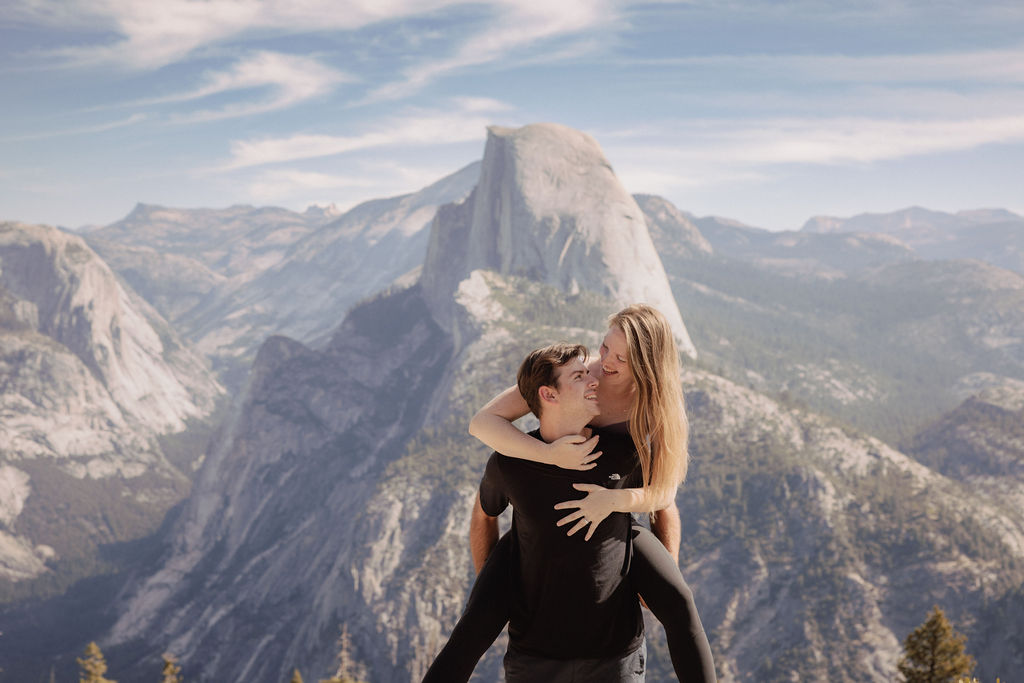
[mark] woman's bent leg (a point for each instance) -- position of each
(656, 576)
(482, 620)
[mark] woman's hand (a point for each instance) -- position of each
(598, 504)
(573, 452)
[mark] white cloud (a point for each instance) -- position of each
(80, 130)
(637, 178)
(464, 124)
(978, 66)
(519, 24)
(297, 187)
(283, 184)
(480, 104)
(291, 79)
(869, 101)
(154, 34)
(670, 157)
(812, 141)
(861, 140)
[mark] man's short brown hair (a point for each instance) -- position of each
(538, 370)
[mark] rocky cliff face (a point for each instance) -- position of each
(846, 323)
(549, 208)
(229, 279)
(675, 236)
(816, 550)
(90, 376)
(981, 442)
(282, 518)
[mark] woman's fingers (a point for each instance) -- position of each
(574, 452)
(570, 517)
(579, 525)
(581, 516)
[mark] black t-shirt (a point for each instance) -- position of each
(569, 598)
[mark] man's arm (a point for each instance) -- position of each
(667, 527)
(483, 534)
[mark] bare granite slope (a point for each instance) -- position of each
(90, 376)
(548, 207)
(228, 279)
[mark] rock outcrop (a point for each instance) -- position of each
(228, 279)
(549, 208)
(90, 376)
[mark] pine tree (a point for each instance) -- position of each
(172, 672)
(296, 677)
(934, 652)
(93, 666)
(344, 673)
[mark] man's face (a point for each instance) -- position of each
(577, 389)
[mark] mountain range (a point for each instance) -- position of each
(992, 235)
(92, 380)
(229, 279)
(855, 414)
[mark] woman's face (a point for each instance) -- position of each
(615, 359)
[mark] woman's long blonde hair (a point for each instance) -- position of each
(657, 421)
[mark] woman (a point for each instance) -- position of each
(638, 369)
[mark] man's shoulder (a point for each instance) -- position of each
(612, 438)
(497, 456)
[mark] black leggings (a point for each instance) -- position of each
(654, 575)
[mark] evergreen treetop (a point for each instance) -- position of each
(171, 671)
(93, 666)
(934, 652)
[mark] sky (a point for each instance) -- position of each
(766, 112)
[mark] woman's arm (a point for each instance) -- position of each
(492, 424)
(601, 502)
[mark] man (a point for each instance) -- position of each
(573, 614)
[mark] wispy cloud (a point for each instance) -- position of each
(280, 184)
(978, 66)
(860, 140)
(518, 24)
(154, 34)
(371, 178)
(463, 123)
(291, 79)
(79, 130)
(638, 178)
(671, 157)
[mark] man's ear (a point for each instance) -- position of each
(548, 394)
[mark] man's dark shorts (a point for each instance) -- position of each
(524, 668)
